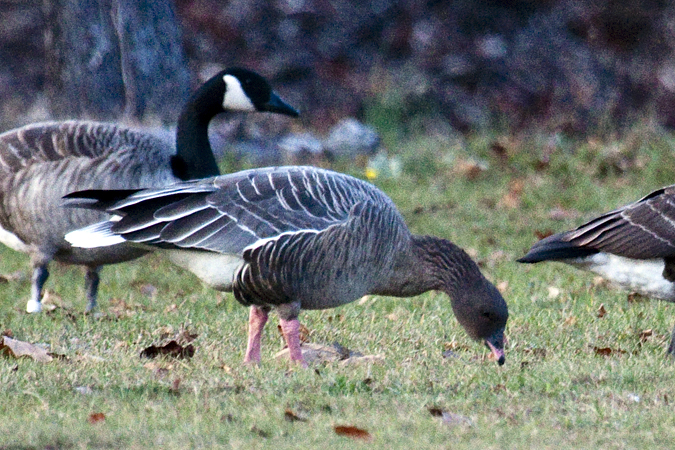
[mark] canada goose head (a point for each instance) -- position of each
(234, 89)
(248, 91)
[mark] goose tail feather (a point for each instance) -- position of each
(96, 235)
(555, 248)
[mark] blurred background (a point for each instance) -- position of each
(558, 69)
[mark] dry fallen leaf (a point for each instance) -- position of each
(607, 351)
(602, 311)
(514, 195)
(636, 298)
(96, 418)
(645, 335)
(260, 432)
(352, 432)
(542, 234)
(571, 320)
(173, 349)
(175, 386)
(16, 348)
(290, 416)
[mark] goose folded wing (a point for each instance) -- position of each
(642, 230)
(226, 214)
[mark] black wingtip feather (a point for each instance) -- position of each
(98, 199)
(554, 248)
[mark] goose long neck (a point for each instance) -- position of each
(194, 157)
(428, 263)
(446, 267)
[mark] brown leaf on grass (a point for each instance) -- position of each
(500, 152)
(601, 311)
(175, 386)
(645, 335)
(435, 411)
(9, 333)
(513, 196)
(172, 349)
(353, 432)
(95, 418)
(634, 297)
(15, 348)
(260, 432)
(571, 320)
(469, 168)
(608, 351)
(290, 416)
(543, 234)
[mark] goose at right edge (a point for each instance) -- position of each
(633, 247)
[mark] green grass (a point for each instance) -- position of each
(553, 392)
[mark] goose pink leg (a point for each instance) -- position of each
(291, 330)
(257, 319)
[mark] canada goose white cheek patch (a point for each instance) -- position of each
(235, 97)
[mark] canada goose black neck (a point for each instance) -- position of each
(194, 157)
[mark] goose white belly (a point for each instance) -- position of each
(215, 269)
(642, 276)
(12, 241)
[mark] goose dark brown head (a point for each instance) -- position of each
(477, 304)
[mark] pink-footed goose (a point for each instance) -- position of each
(293, 238)
(633, 247)
(41, 163)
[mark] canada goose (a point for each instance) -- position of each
(41, 163)
(632, 247)
(294, 238)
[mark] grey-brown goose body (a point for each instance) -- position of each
(41, 163)
(294, 238)
(633, 247)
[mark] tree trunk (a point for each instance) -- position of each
(108, 58)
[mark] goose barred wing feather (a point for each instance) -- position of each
(228, 213)
(641, 230)
(54, 141)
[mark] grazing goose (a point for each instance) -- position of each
(41, 163)
(632, 247)
(294, 238)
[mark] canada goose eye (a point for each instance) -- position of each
(486, 314)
